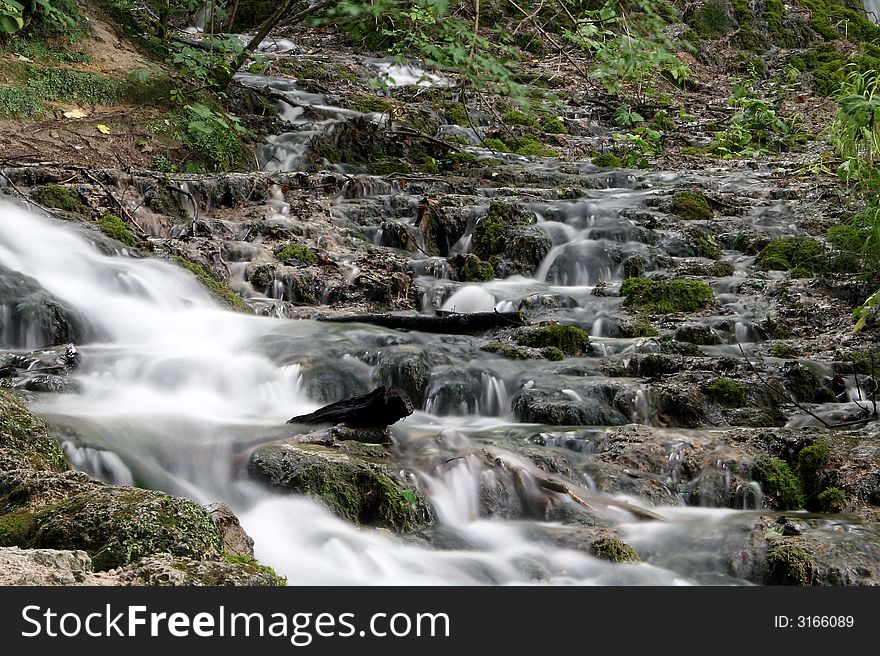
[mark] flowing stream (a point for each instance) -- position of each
(173, 390)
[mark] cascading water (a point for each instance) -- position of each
(175, 386)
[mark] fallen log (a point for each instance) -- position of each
(453, 323)
(381, 407)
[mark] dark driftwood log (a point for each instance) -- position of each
(381, 407)
(453, 323)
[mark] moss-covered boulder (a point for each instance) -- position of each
(506, 237)
(800, 255)
(614, 550)
(692, 206)
(360, 489)
(676, 295)
(778, 483)
(59, 198)
(570, 340)
(115, 228)
(726, 392)
(467, 267)
(788, 565)
(24, 442)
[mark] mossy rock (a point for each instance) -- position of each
(812, 461)
(726, 392)
(697, 334)
(676, 295)
(356, 489)
(505, 350)
(24, 439)
(614, 550)
(831, 500)
(408, 368)
(779, 482)
(217, 288)
(119, 525)
(788, 565)
(59, 198)
(711, 20)
(553, 408)
(115, 228)
(806, 386)
(470, 268)
(298, 252)
(570, 340)
(634, 267)
(691, 206)
(790, 253)
(490, 232)
(782, 351)
(703, 244)
(607, 160)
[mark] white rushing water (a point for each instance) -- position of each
(178, 383)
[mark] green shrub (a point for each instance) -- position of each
(677, 295)
(19, 103)
(75, 86)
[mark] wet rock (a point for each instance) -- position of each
(554, 408)
(442, 225)
(614, 550)
(806, 385)
(357, 489)
(51, 383)
(454, 392)
(235, 541)
(697, 334)
(408, 368)
(538, 304)
(679, 406)
(330, 380)
(30, 317)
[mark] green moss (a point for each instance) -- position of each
(389, 168)
(471, 268)
(369, 104)
(812, 461)
(69, 85)
(496, 144)
(257, 566)
(517, 117)
(217, 288)
(115, 228)
(779, 482)
(607, 160)
(530, 146)
(691, 206)
(490, 233)
(788, 565)
(789, 253)
(509, 351)
(553, 354)
(831, 500)
(24, 436)
(119, 525)
(782, 351)
(293, 251)
(677, 295)
(726, 392)
(16, 528)
(19, 103)
(641, 327)
(455, 113)
(634, 267)
(59, 198)
(710, 20)
(703, 244)
(614, 550)
(553, 125)
(571, 340)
